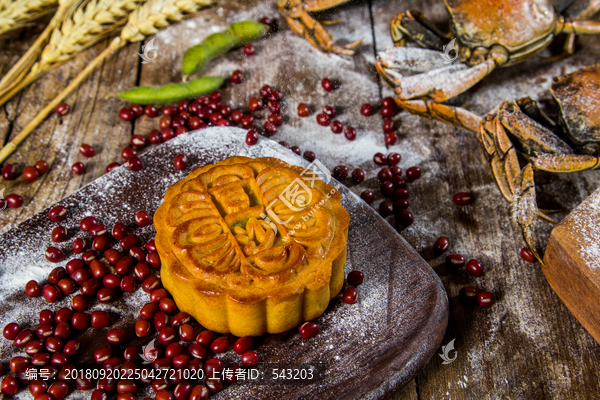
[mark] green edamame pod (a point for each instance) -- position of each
(172, 92)
(217, 44)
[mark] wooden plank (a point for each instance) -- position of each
(93, 120)
(13, 45)
(528, 338)
(571, 263)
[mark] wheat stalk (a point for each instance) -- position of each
(146, 19)
(86, 26)
(18, 71)
(16, 13)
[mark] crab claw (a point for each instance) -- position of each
(412, 59)
(426, 74)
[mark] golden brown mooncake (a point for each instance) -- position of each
(252, 246)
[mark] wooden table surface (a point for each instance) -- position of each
(526, 345)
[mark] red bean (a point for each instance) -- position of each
(78, 168)
(30, 174)
(308, 330)
(11, 330)
(340, 172)
(237, 77)
(111, 166)
(63, 109)
(249, 49)
(137, 109)
(350, 295)
(181, 162)
(474, 268)
(126, 114)
(485, 299)
(337, 127)
(385, 208)
(128, 284)
(323, 120)
(247, 121)
(79, 303)
(87, 151)
(441, 244)
(527, 255)
(134, 164)
(461, 199)
(390, 138)
(251, 137)
(80, 321)
(388, 125)
(368, 196)
(455, 261)
(327, 85)
(303, 110)
(138, 141)
(366, 110)
(142, 218)
(100, 319)
(8, 172)
(219, 345)
(33, 289)
(413, 173)
(151, 111)
(309, 156)
(380, 159)
(388, 111)
(116, 336)
(468, 293)
(350, 133)
(405, 217)
(358, 175)
(355, 278)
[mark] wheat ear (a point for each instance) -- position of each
(16, 13)
(86, 26)
(146, 19)
(19, 70)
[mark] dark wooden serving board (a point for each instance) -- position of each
(367, 350)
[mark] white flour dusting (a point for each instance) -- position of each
(586, 218)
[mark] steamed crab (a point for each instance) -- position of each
(569, 145)
(489, 34)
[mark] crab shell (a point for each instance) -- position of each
(522, 27)
(578, 98)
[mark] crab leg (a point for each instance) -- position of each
(459, 117)
(517, 186)
(501, 154)
(579, 27)
(301, 23)
(534, 137)
(565, 162)
(524, 207)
